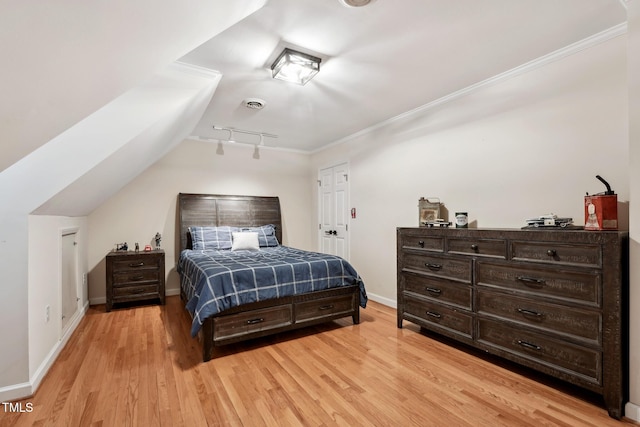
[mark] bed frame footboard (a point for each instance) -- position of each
(279, 315)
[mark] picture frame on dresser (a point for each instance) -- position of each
(553, 301)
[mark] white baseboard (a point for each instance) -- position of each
(24, 390)
(632, 411)
(97, 301)
(383, 300)
(15, 392)
(172, 292)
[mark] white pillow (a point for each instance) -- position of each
(245, 240)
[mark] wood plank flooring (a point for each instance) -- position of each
(139, 367)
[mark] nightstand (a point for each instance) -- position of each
(134, 276)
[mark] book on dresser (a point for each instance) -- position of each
(552, 300)
(135, 276)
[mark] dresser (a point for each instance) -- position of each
(552, 300)
(134, 276)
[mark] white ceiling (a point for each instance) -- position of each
(379, 61)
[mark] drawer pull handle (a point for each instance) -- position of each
(140, 264)
(531, 280)
(552, 252)
(433, 266)
(474, 247)
(326, 307)
(434, 290)
(140, 277)
(254, 321)
(433, 314)
(529, 345)
(529, 312)
(421, 243)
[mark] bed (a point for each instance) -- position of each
(254, 291)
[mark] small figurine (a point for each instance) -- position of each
(550, 220)
(158, 239)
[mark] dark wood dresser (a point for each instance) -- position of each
(552, 300)
(135, 276)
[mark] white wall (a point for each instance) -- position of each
(526, 146)
(45, 288)
(148, 204)
(633, 410)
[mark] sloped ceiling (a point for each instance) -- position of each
(379, 61)
(65, 61)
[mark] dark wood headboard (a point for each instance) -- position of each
(218, 210)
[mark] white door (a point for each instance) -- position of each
(334, 210)
(69, 278)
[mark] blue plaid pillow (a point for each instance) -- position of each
(266, 234)
(207, 238)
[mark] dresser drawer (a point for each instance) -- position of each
(126, 278)
(251, 322)
(568, 285)
(481, 247)
(420, 242)
(134, 262)
(585, 325)
(536, 347)
(458, 269)
(325, 307)
(439, 315)
(557, 253)
(438, 289)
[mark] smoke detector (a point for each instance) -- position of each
(254, 103)
(355, 3)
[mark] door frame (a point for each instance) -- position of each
(347, 203)
(76, 273)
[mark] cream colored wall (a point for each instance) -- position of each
(45, 286)
(148, 204)
(527, 146)
(633, 409)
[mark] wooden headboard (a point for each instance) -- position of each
(218, 210)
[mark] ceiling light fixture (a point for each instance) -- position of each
(355, 3)
(296, 67)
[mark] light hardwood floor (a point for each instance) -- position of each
(138, 366)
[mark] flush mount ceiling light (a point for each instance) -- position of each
(355, 3)
(254, 103)
(296, 67)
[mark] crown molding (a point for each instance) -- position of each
(572, 49)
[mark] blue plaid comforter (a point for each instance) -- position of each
(216, 280)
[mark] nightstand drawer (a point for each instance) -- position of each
(137, 262)
(129, 277)
(150, 291)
